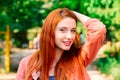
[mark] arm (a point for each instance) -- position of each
(95, 37)
(82, 18)
(21, 72)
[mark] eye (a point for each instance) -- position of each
(73, 31)
(63, 30)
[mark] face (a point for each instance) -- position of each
(65, 33)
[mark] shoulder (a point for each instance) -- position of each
(26, 58)
(22, 68)
(24, 61)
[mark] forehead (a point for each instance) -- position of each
(67, 21)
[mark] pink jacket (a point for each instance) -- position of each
(95, 37)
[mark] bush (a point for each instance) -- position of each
(109, 66)
(115, 71)
(105, 64)
(1, 51)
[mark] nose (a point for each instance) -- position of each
(68, 35)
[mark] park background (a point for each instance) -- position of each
(21, 21)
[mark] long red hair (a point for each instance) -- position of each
(43, 59)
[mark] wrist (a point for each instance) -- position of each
(81, 17)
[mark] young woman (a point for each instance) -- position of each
(61, 57)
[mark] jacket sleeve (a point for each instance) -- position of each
(95, 37)
(21, 72)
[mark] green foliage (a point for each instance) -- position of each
(65, 3)
(22, 15)
(112, 49)
(111, 63)
(1, 51)
(115, 71)
(110, 66)
(105, 64)
(106, 10)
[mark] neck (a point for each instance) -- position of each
(58, 54)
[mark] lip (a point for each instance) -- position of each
(67, 43)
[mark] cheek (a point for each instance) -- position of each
(57, 38)
(73, 36)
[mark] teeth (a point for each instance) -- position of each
(67, 43)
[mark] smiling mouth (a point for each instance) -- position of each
(67, 43)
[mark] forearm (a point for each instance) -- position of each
(94, 40)
(82, 18)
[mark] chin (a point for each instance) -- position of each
(66, 49)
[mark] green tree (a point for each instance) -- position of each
(21, 15)
(106, 10)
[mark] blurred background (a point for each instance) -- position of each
(21, 22)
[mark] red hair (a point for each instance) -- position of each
(43, 59)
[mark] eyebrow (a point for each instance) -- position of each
(65, 27)
(74, 28)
